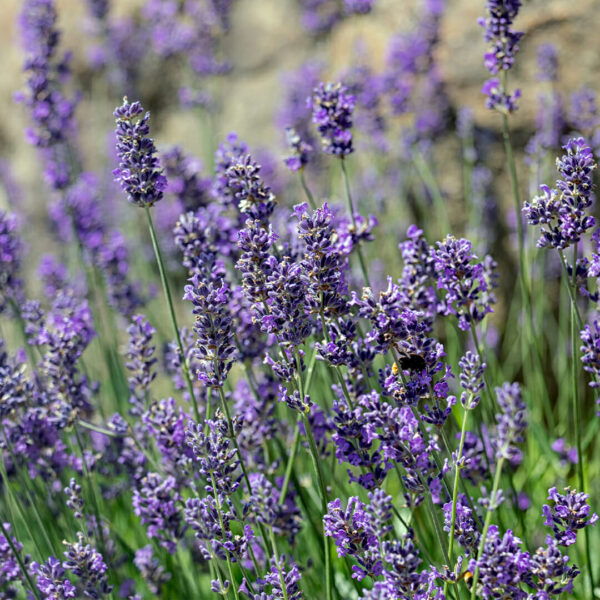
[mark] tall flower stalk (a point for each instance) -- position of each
(141, 178)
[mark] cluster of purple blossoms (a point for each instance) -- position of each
(503, 43)
(512, 422)
(84, 561)
(332, 107)
(590, 351)
(140, 361)
(569, 513)
(561, 212)
(51, 111)
(215, 348)
(139, 172)
(51, 580)
(185, 181)
(471, 379)
(11, 251)
(156, 500)
(467, 284)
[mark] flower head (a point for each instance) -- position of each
(139, 172)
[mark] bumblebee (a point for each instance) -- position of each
(467, 577)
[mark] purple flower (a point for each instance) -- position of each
(561, 212)
(140, 361)
(252, 196)
(51, 580)
(503, 566)
(467, 283)
(139, 172)
(497, 98)
(512, 422)
(550, 570)
(186, 183)
(10, 571)
(471, 379)
(214, 348)
(466, 530)
(74, 498)
(590, 351)
(299, 150)
(226, 156)
(567, 454)
(332, 109)
(11, 252)
(323, 267)
(88, 564)
(166, 423)
(156, 500)
(150, 569)
(52, 113)
(568, 515)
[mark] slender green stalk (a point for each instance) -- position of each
(290, 463)
(18, 558)
(577, 410)
(311, 198)
(167, 292)
(487, 523)
(361, 258)
(322, 485)
(455, 489)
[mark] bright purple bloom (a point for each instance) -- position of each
(561, 212)
(503, 566)
(467, 284)
(569, 514)
(51, 580)
(299, 150)
(88, 564)
(471, 379)
(139, 172)
(590, 351)
(332, 109)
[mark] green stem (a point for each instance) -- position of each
(576, 409)
(167, 292)
(487, 523)
(361, 258)
(311, 199)
(321, 481)
(455, 489)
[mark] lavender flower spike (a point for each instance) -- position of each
(139, 172)
(570, 513)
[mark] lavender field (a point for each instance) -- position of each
(349, 352)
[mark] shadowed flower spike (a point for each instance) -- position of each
(332, 109)
(569, 514)
(512, 422)
(590, 351)
(139, 172)
(11, 251)
(141, 359)
(215, 349)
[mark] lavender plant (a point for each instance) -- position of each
(279, 424)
